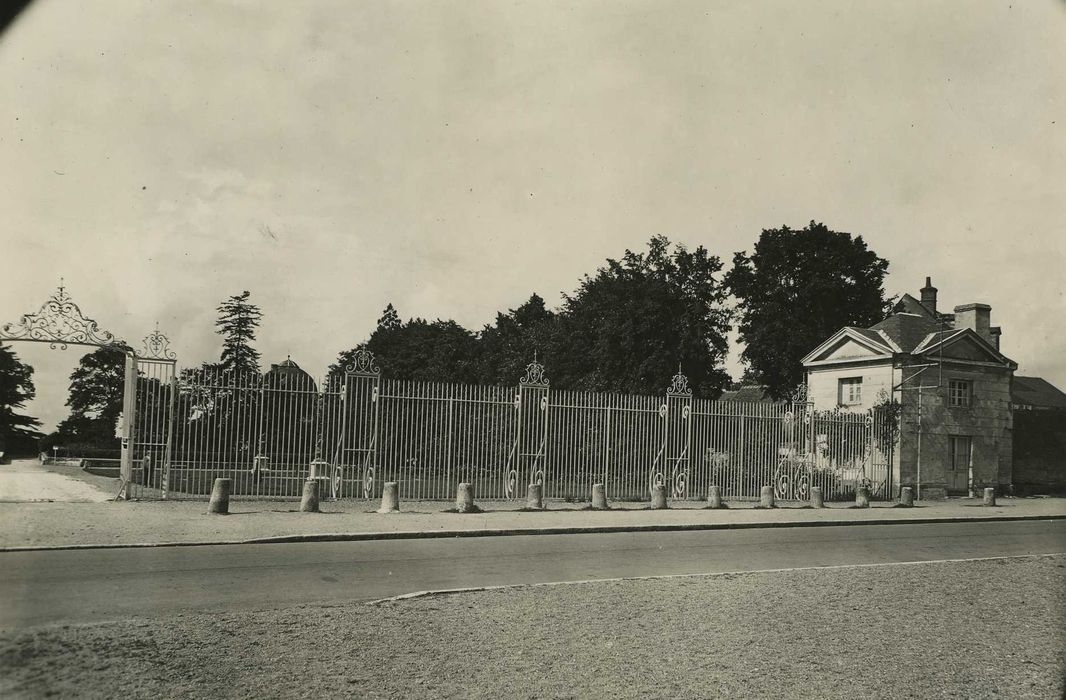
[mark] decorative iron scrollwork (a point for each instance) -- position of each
(534, 374)
(679, 385)
(157, 347)
(680, 485)
(59, 323)
(799, 395)
(363, 362)
(368, 482)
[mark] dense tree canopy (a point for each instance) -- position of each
(95, 399)
(441, 351)
(18, 432)
(629, 326)
(797, 289)
(506, 347)
(625, 329)
(237, 320)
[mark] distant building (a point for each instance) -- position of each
(1039, 437)
(747, 393)
(1035, 394)
(952, 381)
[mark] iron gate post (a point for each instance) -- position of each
(129, 409)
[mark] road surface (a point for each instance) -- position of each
(72, 586)
(25, 480)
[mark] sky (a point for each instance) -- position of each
(454, 157)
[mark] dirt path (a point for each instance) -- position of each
(25, 481)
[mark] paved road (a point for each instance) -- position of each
(89, 585)
(26, 480)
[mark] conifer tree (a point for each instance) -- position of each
(237, 320)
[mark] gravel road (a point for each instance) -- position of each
(964, 629)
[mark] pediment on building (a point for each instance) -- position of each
(850, 345)
(961, 344)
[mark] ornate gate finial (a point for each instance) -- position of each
(60, 323)
(363, 363)
(157, 346)
(679, 384)
(534, 375)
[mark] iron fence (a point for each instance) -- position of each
(356, 430)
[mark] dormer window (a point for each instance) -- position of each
(850, 391)
(960, 392)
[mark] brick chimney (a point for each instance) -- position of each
(929, 295)
(977, 317)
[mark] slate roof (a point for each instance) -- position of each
(1037, 392)
(752, 393)
(909, 305)
(907, 330)
(870, 334)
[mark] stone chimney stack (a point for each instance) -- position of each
(977, 317)
(929, 295)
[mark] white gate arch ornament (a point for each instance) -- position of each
(60, 323)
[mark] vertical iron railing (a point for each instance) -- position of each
(269, 433)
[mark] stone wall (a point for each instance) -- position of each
(823, 383)
(987, 421)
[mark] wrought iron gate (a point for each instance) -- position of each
(147, 423)
(529, 456)
(356, 454)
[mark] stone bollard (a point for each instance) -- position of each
(766, 497)
(816, 497)
(714, 498)
(464, 499)
(535, 497)
(220, 496)
(599, 497)
(862, 497)
(390, 497)
(990, 497)
(309, 502)
(906, 496)
(658, 497)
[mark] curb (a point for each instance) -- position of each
(527, 531)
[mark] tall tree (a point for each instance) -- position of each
(18, 432)
(237, 320)
(95, 399)
(630, 326)
(441, 351)
(506, 347)
(797, 289)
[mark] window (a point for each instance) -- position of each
(961, 449)
(850, 391)
(959, 392)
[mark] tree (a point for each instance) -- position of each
(95, 399)
(505, 348)
(440, 351)
(797, 289)
(237, 321)
(629, 327)
(17, 431)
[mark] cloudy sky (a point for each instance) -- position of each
(453, 157)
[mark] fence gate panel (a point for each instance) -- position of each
(674, 459)
(528, 461)
(147, 429)
(356, 460)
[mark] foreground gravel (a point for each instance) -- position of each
(966, 629)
